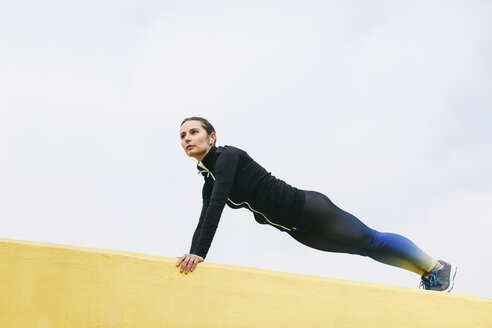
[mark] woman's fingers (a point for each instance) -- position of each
(185, 262)
(197, 260)
(181, 259)
(191, 263)
(188, 262)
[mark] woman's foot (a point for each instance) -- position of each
(440, 279)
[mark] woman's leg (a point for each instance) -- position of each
(330, 228)
(316, 241)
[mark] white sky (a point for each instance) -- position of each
(385, 107)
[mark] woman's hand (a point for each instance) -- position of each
(189, 261)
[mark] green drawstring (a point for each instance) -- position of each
(205, 170)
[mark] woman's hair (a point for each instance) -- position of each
(205, 124)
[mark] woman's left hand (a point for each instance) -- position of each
(189, 262)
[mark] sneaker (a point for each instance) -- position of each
(441, 279)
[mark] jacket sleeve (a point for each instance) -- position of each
(205, 201)
(225, 172)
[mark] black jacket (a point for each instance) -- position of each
(233, 177)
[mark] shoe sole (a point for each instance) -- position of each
(452, 274)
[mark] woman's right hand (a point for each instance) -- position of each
(189, 262)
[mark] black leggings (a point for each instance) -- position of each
(324, 226)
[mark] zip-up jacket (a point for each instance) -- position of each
(233, 177)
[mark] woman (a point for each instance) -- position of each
(233, 177)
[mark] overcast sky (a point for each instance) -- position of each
(385, 107)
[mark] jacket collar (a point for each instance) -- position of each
(208, 160)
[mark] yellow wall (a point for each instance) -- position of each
(48, 285)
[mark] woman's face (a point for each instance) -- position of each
(195, 140)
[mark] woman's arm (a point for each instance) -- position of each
(225, 172)
(212, 207)
(206, 190)
(189, 261)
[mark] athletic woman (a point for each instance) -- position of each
(232, 177)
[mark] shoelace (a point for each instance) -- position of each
(433, 281)
(424, 284)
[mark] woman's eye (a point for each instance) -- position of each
(192, 132)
